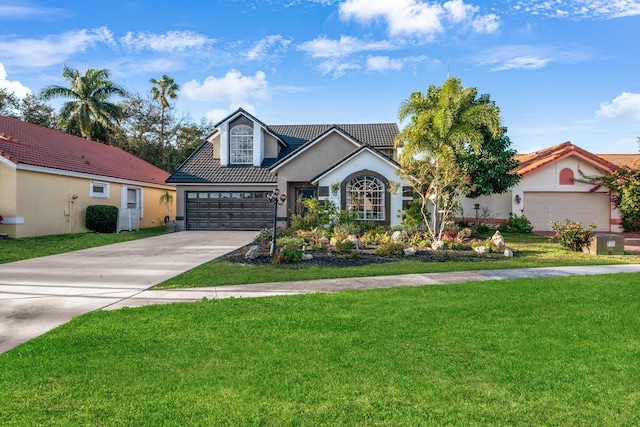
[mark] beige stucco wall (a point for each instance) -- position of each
(271, 147)
(44, 203)
(7, 197)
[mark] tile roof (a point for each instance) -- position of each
(623, 160)
(28, 144)
(202, 168)
(532, 161)
(379, 135)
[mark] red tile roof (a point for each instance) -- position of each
(532, 161)
(28, 144)
(622, 160)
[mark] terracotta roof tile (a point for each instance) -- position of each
(532, 161)
(28, 144)
(623, 160)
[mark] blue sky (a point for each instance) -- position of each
(559, 70)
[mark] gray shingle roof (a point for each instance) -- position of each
(202, 168)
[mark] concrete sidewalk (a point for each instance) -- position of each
(149, 297)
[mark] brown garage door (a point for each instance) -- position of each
(587, 208)
(228, 210)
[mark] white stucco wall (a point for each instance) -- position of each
(369, 161)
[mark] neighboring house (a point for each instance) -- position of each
(48, 178)
(548, 190)
(223, 185)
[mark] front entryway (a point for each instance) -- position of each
(228, 210)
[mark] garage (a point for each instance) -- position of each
(587, 208)
(228, 210)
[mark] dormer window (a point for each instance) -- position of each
(241, 145)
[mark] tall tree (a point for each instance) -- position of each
(492, 169)
(444, 122)
(90, 106)
(162, 91)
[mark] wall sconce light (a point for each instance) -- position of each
(518, 199)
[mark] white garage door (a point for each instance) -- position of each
(586, 208)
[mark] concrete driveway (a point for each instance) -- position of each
(39, 294)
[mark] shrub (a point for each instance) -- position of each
(482, 228)
(572, 235)
(486, 242)
(390, 249)
(345, 247)
(264, 235)
(516, 224)
(102, 218)
(317, 214)
(286, 255)
(292, 241)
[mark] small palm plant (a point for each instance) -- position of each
(167, 199)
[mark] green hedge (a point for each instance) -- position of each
(102, 218)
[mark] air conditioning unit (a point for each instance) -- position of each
(128, 219)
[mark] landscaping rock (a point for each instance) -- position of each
(508, 253)
(410, 251)
(353, 239)
(398, 235)
(438, 245)
(498, 241)
(253, 252)
(324, 241)
(482, 249)
(307, 257)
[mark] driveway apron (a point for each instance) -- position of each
(40, 294)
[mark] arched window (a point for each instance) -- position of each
(241, 145)
(365, 197)
(566, 177)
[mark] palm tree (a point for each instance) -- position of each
(89, 94)
(163, 90)
(446, 121)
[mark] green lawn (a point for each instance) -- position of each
(34, 247)
(561, 351)
(535, 251)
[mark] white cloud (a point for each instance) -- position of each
(336, 68)
(54, 49)
(345, 46)
(262, 48)
(526, 57)
(579, 9)
(14, 87)
(626, 106)
(233, 88)
(171, 41)
(383, 63)
(18, 11)
(417, 17)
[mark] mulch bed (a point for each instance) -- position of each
(360, 258)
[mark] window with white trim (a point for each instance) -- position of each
(99, 190)
(241, 145)
(366, 198)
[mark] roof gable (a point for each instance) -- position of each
(531, 162)
(27, 144)
(358, 152)
(306, 146)
(241, 112)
